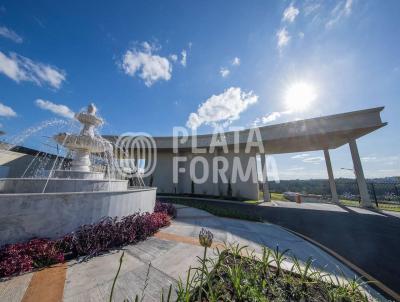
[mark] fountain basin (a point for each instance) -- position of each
(36, 185)
(51, 215)
(77, 174)
(89, 119)
(82, 142)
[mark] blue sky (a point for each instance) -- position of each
(152, 65)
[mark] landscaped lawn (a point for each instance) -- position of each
(252, 201)
(278, 196)
(382, 206)
(216, 210)
(274, 196)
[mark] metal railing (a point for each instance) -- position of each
(380, 192)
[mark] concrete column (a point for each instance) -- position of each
(358, 170)
(265, 185)
(332, 183)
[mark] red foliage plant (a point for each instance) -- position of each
(88, 240)
(167, 208)
(23, 257)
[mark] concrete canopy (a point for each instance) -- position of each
(327, 132)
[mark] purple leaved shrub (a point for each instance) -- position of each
(88, 240)
(23, 257)
(92, 239)
(167, 208)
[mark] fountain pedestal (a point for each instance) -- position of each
(83, 145)
(81, 161)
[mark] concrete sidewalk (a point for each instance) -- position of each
(161, 260)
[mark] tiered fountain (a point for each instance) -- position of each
(66, 199)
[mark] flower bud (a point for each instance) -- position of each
(205, 237)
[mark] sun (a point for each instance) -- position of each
(299, 96)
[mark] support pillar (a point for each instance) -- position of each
(358, 170)
(332, 183)
(265, 185)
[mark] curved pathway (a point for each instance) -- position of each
(161, 259)
(367, 239)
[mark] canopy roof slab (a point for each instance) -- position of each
(326, 132)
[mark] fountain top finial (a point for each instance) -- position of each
(86, 140)
(92, 109)
(88, 118)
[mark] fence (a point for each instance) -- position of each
(380, 192)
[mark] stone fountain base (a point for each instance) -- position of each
(51, 215)
(54, 185)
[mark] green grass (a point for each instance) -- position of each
(216, 210)
(382, 206)
(278, 196)
(274, 196)
(389, 207)
(252, 201)
(350, 203)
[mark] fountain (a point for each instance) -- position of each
(49, 207)
(82, 145)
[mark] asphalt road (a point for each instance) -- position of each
(369, 241)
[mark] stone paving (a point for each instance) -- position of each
(158, 262)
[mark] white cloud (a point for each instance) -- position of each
(10, 34)
(348, 6)
(224, 72)
(283, 38)
(225, 107)
(7, 111)
(296, 169)
(301, 156)
(305, 157)
(385, 160)
(341, 10)
(301, 35)
(311, 6)
(184, 57)
(368, 158)
(313, 160)
(268, 118)
(271, 117)
(58, 109)
(149, 67)
(236, 61)
(147, 47)
(20, 68)
(173, 57)
(290, 13)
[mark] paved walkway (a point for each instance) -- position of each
(367, 239)
(161, 259)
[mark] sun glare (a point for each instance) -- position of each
(299, 96)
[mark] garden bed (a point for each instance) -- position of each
(237, 278)
(234, 273)
(87, 241)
